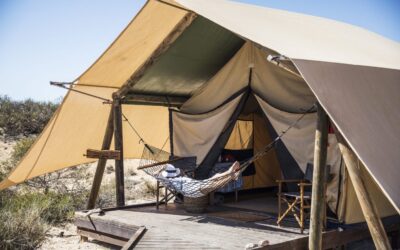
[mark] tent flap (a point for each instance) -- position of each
(363, 103)
(299, 141)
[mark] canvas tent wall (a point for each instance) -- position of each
(335, 65)
(191, 136)
(246, 68)
(197, 134)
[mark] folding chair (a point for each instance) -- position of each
(299, 202)
(187, 165)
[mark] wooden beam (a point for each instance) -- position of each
(98, 225)
(119, 164)
(103, 154)
(110, 239)
(165, 44)
(158, 100)
(101, 164)
(331, 239)
(369, 210)
(318, 182)
(134, 239)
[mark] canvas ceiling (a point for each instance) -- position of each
(282, 89)
(199, 52)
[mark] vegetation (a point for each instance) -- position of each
(28, 211)
(24, 117)
(26, 218)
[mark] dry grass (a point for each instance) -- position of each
(150, 187)
(25, 219)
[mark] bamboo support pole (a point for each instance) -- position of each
(318, 182)
(369, 210)
(101, 164)
(119, 164)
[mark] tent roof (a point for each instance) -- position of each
(300, 36)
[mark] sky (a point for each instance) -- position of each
(47, 40)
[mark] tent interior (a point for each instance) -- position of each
(233, 101)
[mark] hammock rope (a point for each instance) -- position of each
(154, 161)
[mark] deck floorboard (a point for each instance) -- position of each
(173, 228)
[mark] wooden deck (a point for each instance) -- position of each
(222, 227)
(172, 227)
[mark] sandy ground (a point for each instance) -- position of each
(66, 238)
(6, 147)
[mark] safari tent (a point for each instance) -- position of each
(199, 77)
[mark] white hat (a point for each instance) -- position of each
(170, 171)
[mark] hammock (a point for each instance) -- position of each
(186, 185)
(154, 161)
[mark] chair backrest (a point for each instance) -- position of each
(308, 175)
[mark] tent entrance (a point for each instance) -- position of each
(257, 187)
(236, 130)
(249, 135)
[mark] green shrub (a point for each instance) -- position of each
(25, 219)
(24, 117)
(22, 229)
(55, 208)
(28, 210)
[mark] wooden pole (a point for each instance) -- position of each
(318, 182)
(119, 164)
(101, 164)
(369, 210)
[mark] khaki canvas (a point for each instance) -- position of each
(195, 134)
(355, 78)
(80, 121)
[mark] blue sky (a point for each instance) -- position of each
(47, 40)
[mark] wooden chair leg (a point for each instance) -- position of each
(324, 217)
(158, 195)
(291, 206)
(279, 202)
(301, 209)
(166, 196)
